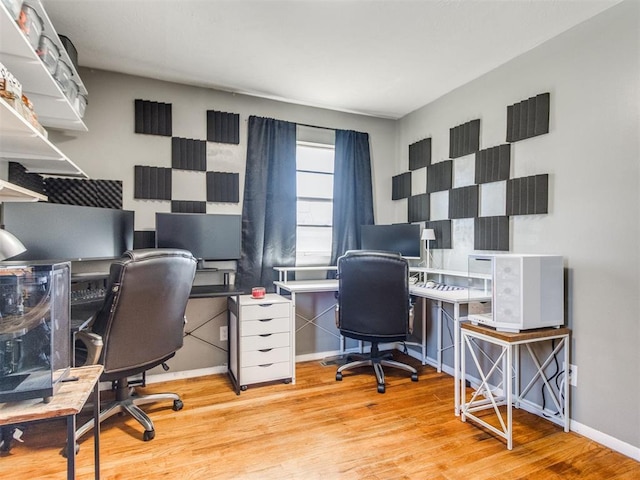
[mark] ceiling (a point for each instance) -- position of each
(381, 58)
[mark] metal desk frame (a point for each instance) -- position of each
(509, 357)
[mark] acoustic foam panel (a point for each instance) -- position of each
(153, 118)
(420, 154)
(418, 208)
(188, 206)
(491, 233)
(439, 176)
(528, 195)
(18, 175)
(401, 186)
(223, 127)
(493, 164)
(528, 118)
(144, 239)
(223, 187)
(442, 231)
(88, 193)
(464, 139)
(152, 183)
(188, 154)
(463, 202)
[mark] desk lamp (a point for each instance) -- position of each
(428, 234)
(10, 246)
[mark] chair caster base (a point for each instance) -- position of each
(338, 376)
(414, 377)
(381, 388)
(177, 405)
(148, 435)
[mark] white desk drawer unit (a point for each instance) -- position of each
(261, 343)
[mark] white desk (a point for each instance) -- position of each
(308, 286)
(510, 358)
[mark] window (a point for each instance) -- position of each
(314, 176)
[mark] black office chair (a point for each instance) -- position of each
(374, 306)
(139, 326)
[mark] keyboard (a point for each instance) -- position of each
(441, 287)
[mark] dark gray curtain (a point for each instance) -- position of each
(269, 208)
(352, 191)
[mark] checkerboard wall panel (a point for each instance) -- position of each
(401, 186)
(420, 154)
(464, 139)
(463, 202)
(439, 176)
(144, 239)
(188, 206)
(442, 231)
(223, 187)
(493, 164)
(528, 195)
(418, 206)
(188, 154)
(491, 233)
(528, 118)
(152, 183)
(88, 193)
(223, 127)
(153, 118)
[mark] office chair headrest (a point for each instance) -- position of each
(146, 253)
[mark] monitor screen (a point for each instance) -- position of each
(206, 236)
(53, 231)
(402, 238)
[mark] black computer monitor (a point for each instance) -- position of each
(206, 236)
(53, 231)
(402, 238)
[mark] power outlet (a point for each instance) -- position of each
(224, 333)
(572, 375)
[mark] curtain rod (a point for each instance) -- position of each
(316, 126)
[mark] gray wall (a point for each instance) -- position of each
(111, 149)
(592, 156)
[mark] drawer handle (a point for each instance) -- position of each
(265, 319)
(266, 365)
(265, 350)
(266, 334)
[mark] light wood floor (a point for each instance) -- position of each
(317, 429)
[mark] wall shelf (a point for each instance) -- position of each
(21, 142)
(13, 193)
(50, 103)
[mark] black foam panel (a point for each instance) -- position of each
(528, 195)
(491, 233)
(188, 154)
(88, 193)
(18, 175)
(144, 239)
(153, 183)
(223, 127)
(528, 118)
(439, 176)
(493, 164)
(442, 231)
(418, 208)
(188, 206)
(223, 187)
(401, 186)
(463, 202)
(420, 154)
(464, 139)
(153, 118)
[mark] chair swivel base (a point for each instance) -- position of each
(377, 363)
(130, 404)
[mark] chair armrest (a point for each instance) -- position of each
(337, 314)
(94, 345)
